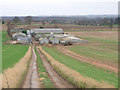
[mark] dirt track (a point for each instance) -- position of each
(56, 79)
(81, 58)
(32, 78)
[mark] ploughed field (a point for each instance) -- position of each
(11, 54)
(101, 48)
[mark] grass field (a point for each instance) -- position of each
(43, 73)
(83, 68)
(11, 54)
(101, 46)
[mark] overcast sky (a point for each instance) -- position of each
(58, 7)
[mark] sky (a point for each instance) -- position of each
(57, 7)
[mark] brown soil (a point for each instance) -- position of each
(85, 59)
(56, 79)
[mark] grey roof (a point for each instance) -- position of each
(22, 38)
(49, 30)
(16, 30)
(18, 34)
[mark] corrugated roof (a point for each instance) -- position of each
(49, 30)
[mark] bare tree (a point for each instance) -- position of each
(111, 24)
(10, 26)
(16, 20)
(28, 19)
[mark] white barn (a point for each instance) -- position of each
(48, 31)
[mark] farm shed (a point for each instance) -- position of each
(12, 31)
(15, 35)
(22, 40)
(43, 40)
(76, 40)
(54, 40)
(37, 36)
(48, 30)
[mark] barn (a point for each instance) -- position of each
(48, 31)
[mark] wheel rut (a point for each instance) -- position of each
(87, 60)
(58, 81)
(32, 78)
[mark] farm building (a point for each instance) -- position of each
(12, 31)
(15, 35)
(43, 40)
(48, 31)
(22, 40)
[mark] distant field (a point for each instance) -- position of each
(11, 54)
(85, 69)
(67, 27)
(102, 46)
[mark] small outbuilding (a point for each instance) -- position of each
(22, 40)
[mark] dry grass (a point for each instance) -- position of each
(15, 74)
(0, 81)
(74, 76)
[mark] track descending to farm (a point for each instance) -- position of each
(84, 59)
(56, 79)
(32, 78)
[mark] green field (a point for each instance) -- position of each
(46, 81)
(11, 54)
(83, 68)
(105, 51)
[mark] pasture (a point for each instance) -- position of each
(11, 54)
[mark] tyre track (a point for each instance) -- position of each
(32, 78)
(56, 79)
(87, 60)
